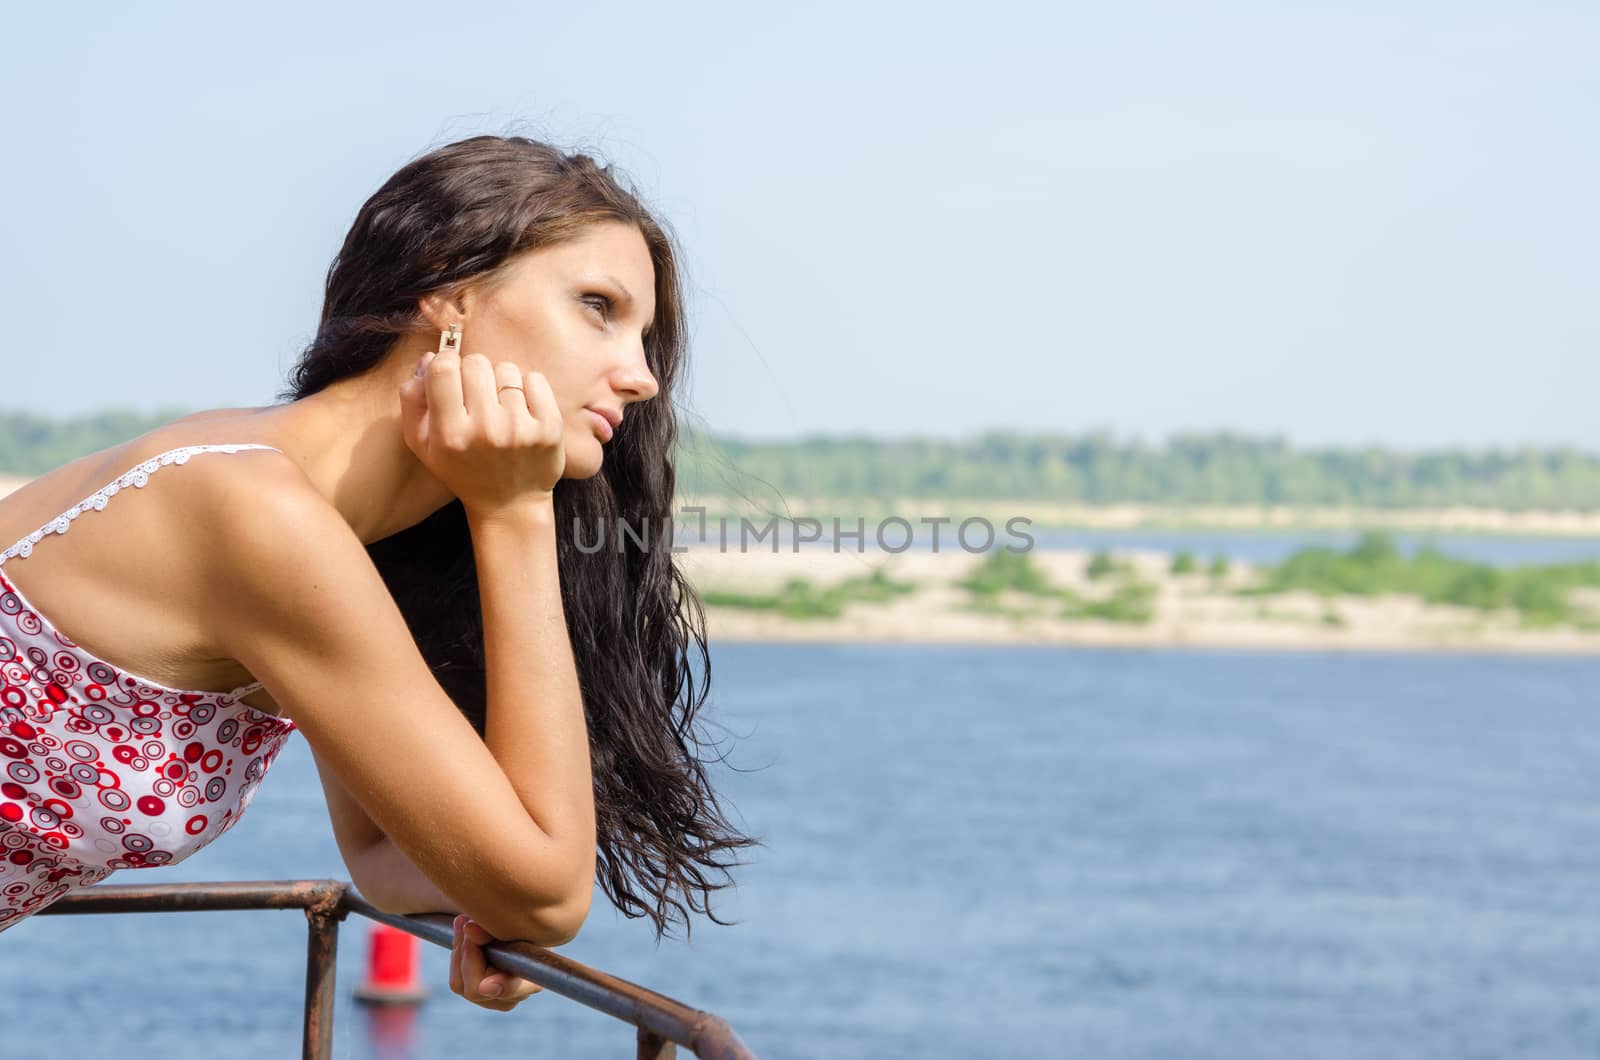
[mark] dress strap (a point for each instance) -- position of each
(136, 477)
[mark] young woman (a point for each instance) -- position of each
(389, 563)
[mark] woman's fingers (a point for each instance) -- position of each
(473, 978)
(466, 975)
(473, 965)
(490, 391)
(456, 943)
(462, 398)
(542, 403)
(490, 432)
(495, 983)
(477, 388)
(446, 404)
(508, 388)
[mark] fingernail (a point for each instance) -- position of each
(492, 989)
(422, 365)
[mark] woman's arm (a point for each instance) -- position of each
(379, 869)
(535, 725)
(537, 739)
(300, 605)
(389, 880)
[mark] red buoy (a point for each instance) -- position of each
(394, 968)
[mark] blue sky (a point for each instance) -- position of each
(1363, 223)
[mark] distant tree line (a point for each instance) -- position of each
(1188, 469)
(31, 444)
(1096, 468)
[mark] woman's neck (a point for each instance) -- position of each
(347, 439)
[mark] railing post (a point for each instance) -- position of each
(322, 955)
(654, 1047)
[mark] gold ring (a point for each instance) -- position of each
(507, 386)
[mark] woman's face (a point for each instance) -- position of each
(576, 312)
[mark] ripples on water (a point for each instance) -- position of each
(1005, 852)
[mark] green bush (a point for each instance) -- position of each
(1131, 602)
(1003, 570)
(1183, 563)
(1101, 565)
(1542, 602)
(1481, 587)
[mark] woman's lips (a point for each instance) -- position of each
(602, 426)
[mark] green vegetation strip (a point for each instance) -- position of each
(1541, 595)
(1001, 571)
(800, 598)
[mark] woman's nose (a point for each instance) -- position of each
(636, 378)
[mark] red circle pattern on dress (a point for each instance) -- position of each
(101, 771)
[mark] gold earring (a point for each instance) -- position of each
(450, 340)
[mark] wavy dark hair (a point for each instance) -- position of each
(458, 215)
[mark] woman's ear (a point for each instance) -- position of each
(443, 308)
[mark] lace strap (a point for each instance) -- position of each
(136, 477)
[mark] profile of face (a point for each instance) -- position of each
(576, 312)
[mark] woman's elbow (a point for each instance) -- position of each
(554, 914)
(547, 919)
(552, 924)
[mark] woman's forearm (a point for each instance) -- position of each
(389, 880)
(535, 725)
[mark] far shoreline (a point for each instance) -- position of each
(1052, 515)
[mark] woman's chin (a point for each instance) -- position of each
(584, 461)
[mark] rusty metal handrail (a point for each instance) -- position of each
(663, 1023)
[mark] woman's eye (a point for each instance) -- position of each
(601, 302)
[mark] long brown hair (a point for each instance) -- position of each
(459, 214)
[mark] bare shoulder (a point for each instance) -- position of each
(272, 534)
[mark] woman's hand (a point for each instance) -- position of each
(491, 433)
(471, 976)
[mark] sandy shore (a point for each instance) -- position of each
(1044, 514)
(1189, 610)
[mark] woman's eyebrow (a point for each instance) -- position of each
(627, 296)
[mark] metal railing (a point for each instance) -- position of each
(663, 1024)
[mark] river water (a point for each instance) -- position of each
(1006, 852)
